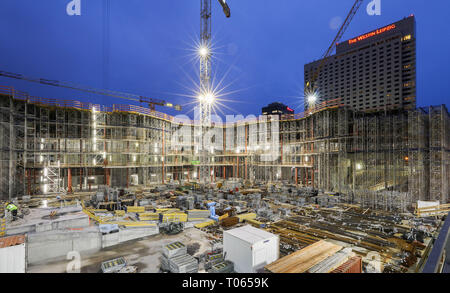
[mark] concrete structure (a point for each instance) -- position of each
(55, 245)
(371, 157)
(250, 249)
(374, 71)
(53, 238)
(38, 221)
(13, 254)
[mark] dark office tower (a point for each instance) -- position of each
(277, 108)
(372, 72)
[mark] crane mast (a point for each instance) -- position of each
(205, 60)
(206, 92)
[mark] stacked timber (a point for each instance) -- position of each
(333, 262)
(176, 217)
(133, 209)
(204, 224)
(148, 216)
(248, 216)
(256, 223)
(304, 259)
(352, 266)
(229, 222)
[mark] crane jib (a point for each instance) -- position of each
(11, 75)
(49, 82)
(226, 8)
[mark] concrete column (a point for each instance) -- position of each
(128, 179)
(69, 181)
(296, 176)
(81, 178)
(107, 177)
(28, 175)
(89, 173)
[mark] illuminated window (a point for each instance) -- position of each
(406, 38)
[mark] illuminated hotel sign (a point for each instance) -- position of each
(372, 34)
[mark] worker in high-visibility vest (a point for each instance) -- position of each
(12, 208)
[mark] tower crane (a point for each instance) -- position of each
(116, 94)
(206, 97)
(311, 86)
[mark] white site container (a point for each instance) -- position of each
(250, 249)
(13, 254)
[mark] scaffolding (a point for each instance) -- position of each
(387, 159)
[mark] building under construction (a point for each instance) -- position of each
(359, 182)
(387, 159)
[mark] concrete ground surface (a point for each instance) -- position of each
(144, 253)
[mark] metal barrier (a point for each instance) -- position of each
(434, 261)
(433, 211)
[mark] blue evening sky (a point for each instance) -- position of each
(260, 50)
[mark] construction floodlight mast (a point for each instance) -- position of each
(205, 61)
(206, 95)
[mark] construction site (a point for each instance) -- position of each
(131, 189)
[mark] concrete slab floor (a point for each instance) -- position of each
(143, 253)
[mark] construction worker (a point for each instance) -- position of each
(12, 208)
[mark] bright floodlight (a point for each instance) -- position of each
(209, 98)
(203, 51)
(312, 99)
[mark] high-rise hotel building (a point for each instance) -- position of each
(372, 72)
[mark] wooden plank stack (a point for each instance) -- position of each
(229, 222)
(332, 262)
(352, 266)
(304, 259)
